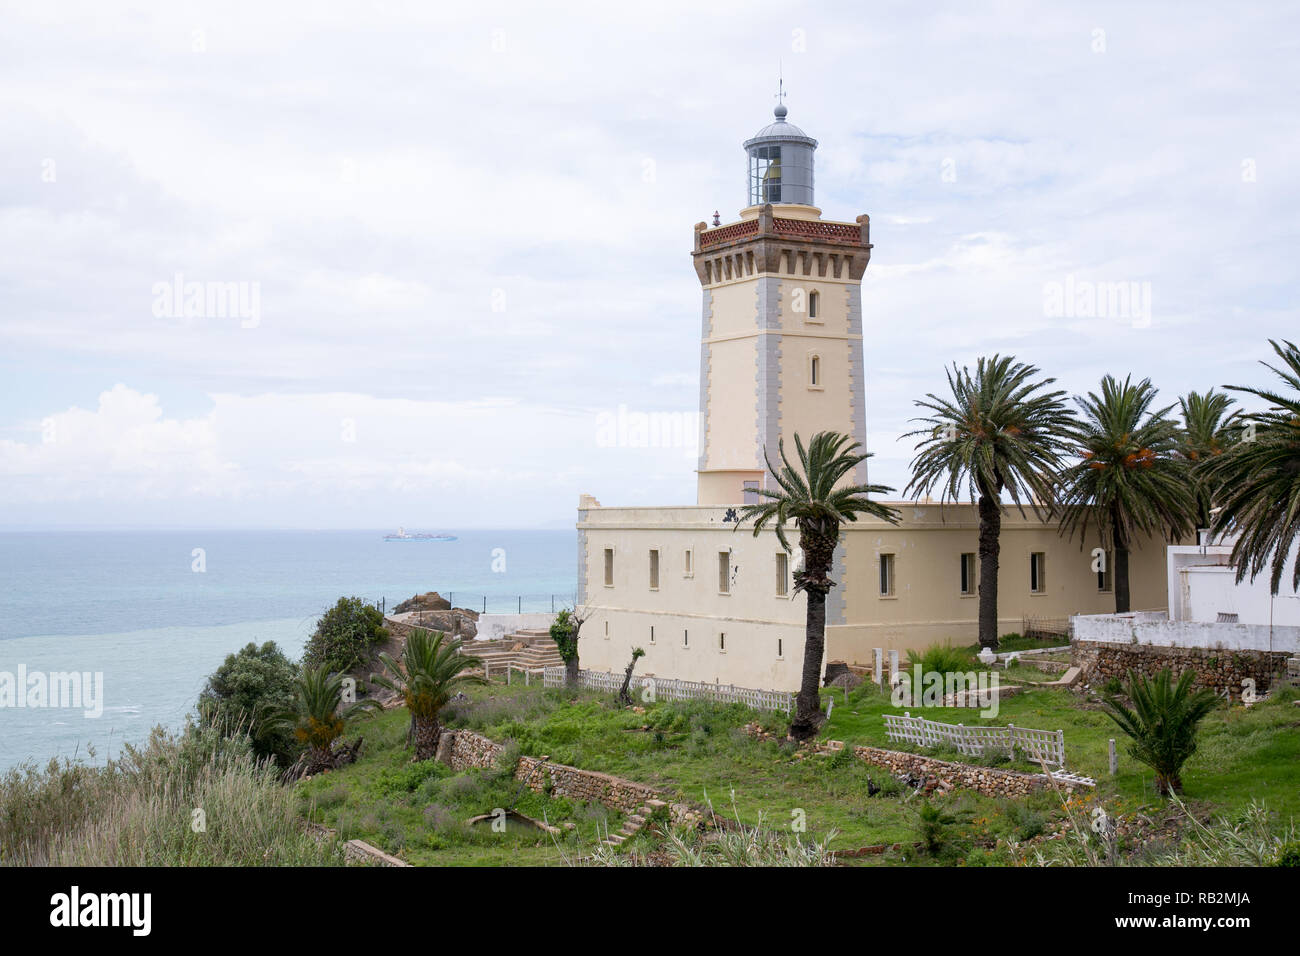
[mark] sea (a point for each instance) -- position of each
(156, 612)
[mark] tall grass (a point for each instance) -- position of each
(188, 799)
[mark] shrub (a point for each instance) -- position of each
(1162, 723)
(941, 658)
(345, 636)
(244, 691)
(137, 810)
(1288, 854)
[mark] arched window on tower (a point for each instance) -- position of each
(814, 371)
(814, 305)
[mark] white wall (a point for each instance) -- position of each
(492, 626)
(1155, 628)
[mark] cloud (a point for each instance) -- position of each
(486, 212)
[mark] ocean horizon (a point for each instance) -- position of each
(155, 612)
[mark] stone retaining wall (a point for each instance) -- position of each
(986, 780)
(467, 750)
(1214, 668)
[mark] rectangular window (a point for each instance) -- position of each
(782, 574)
(607, 630)
(968, 573)
(1103, 572)
(812, 304)
(654, 569)
(886, 575)
(722, 641)
(652, 633)
(686, 638)
(780, 648)
(688, 563)
(815, 371)
(724, 572)
(1037, 567)
(609, 567)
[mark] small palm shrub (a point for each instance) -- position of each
(431, 669)
(1161, 724)
(942, 659)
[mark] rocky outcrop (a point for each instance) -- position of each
(428, 601)
(459, 622)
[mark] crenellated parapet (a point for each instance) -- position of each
(777, 245)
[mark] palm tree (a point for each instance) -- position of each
(431, 669)
(1259, 479)
(1129, 481)
(998, 430)
(1162, 723)
(1209, 429)
(808, 496)
(316, 716)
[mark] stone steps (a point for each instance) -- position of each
(634, 823)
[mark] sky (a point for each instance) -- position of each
(455, 242)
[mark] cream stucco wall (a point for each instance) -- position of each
(764, 631)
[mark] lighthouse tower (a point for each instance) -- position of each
(781, 344)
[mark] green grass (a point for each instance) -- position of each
(1243, 752)
(699, 753)
(419, 810)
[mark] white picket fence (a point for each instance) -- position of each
(665, 688)
(1047, 745)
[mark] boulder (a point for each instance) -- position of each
(429, 601)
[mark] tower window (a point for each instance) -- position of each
(688, 563)
(1037, 567)
(652, 633)
(722, 641)
(968, 573)
(654, 569)
(814, 371)
(886, 575)
(782, 574)
(814, 301)
(780, 648)
(609, 567)
(686, 638)
(724, 572)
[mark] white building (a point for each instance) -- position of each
(1207, 607)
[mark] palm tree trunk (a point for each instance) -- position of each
(1123, 599)
(808, 705)
(990, 512)
(427, 732)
